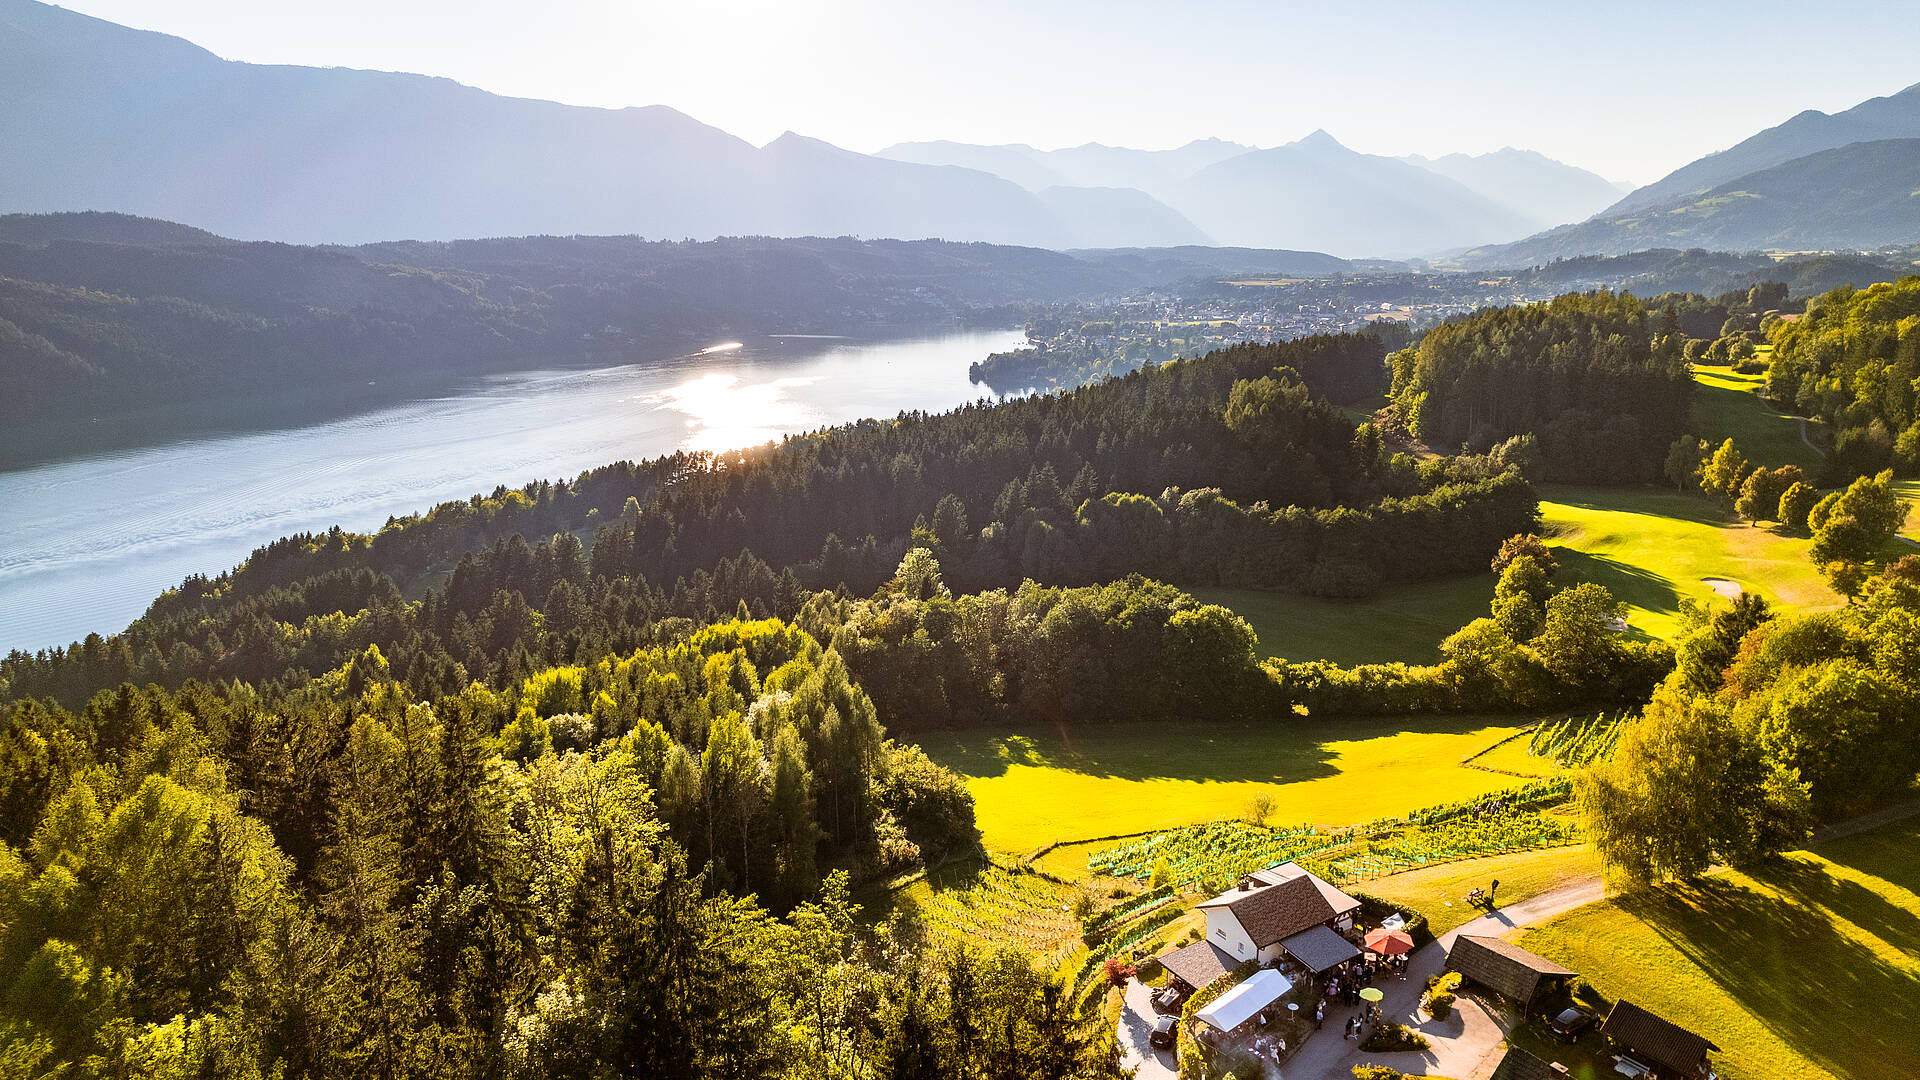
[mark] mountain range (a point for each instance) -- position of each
(100, 116)
(1818, 182)
(1312, 193)
(97, 116)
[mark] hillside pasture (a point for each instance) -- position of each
(1808, 967)
(1727, 405)
(1037, 787)
(1403, 622)
(1655, 548)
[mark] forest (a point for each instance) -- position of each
(1584, 374)
(581, 779)
(1852, 361)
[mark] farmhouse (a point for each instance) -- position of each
(1276, 914)
(1655, 1047)
(1506, 968)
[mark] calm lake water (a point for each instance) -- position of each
(85, 545)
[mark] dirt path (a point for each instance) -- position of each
(1808, 441)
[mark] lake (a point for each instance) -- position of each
(86, 544)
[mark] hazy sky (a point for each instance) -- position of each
(1626, 88)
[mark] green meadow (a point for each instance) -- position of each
(1403, 622)
(1655, 548)
(1728, 405)
(1807, 967)
(1041, 787)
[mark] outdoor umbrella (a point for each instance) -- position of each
(1370, 993)
(1389, 942)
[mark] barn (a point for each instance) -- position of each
(1506, 968)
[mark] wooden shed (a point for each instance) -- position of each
(1506, 968)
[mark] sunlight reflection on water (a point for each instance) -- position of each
(86, 543)
(726, 413)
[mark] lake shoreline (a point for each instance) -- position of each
(90, 541)
(58, 438)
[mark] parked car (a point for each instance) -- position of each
(1162, 1033)
(1570, 1024)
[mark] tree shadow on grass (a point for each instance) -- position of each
(1282, 751)
(1634, 584)
(1680, 506)
(1826, 995)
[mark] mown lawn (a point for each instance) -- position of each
(1728, 405)
(1808, 968)
(1404, 622)
(1034, 788)
(1654, 548)
(1439, 892)
(1910, 491)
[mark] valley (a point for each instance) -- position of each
(1004, 549)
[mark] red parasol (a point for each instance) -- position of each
(1389, 942)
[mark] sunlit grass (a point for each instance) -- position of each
(1439, 892)
(1728, 405)
(1042, 787)
(1809, 967)
(1655, 548)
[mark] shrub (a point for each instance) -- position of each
(1440, 1006)
(1393, 1038)
(1118, 971)
(1377, 1072)
(1374, 908)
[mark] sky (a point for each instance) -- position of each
(1629, 89)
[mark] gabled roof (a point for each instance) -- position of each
(1282, 901)
(1502, 966)
(1269, 913)
(1520, 1065)
(1198, 964)
(1514, 954)
(1320, 949)
(1661, 1042)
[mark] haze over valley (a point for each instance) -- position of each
(898, 541)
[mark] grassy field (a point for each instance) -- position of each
(1910, 491)
(1808, 968)
(1041, 787)
(1404, 622)
(1439, 892)
(1727, 405)
(1653, 548)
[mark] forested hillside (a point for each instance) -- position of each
(104, 316)
(449, 801)
(1853, 361)
(1583, 374)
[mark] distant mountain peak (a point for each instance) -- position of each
(1321, 139)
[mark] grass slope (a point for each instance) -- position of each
(1036, 788)
(1808, 968)
(1439, 892)
(1654, 548)
(1728, 405)
(1404, 622)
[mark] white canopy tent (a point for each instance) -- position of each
(1244, 1002)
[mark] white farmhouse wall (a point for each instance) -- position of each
(1226, 932)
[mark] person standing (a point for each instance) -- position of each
(1320, 1015)
(1491, 889)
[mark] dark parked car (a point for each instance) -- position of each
(1569, 1025)
(1162, 1034)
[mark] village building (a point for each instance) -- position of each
(1506, 968)
(1282, 916)
(1653, 1047)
